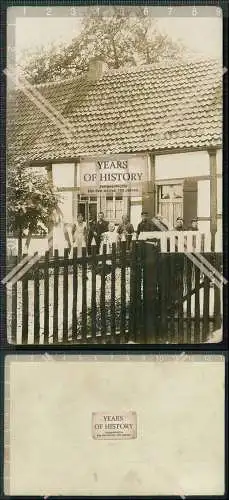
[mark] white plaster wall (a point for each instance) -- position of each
(204, 226)
(63, 174)
(203, 201)
(220, 225)
(219, 161)
(135, 214)
(181, 165)
(219, 195)
(66, 206)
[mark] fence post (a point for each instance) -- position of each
(36, 304)
(217, 259)
(113, 270)
(74, 294)
(123, 291)
(55, 296)
(84, 294)
(180, 286)
(163, 275)
(65, 296)
(197, 306)
(139, 290)
(103, 294)
(133, 290)
(189, 274)
(13, 291)
(172, 332)
(25, 308)
(93, 290)
(46, 298)
(206, 302)
(151, 290)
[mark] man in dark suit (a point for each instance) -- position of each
(145, 225)
(91, 234)
(156, 224)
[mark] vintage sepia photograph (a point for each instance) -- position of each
(114, 175)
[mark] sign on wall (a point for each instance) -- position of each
(120, 174)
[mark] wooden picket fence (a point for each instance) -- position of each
(170, 241)
(141, 295)
(181, 241)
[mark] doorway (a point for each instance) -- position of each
(87, 206)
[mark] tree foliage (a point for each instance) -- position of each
(120, 40)
(32, 202)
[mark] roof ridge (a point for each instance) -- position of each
(133, 69)
(56, 82)
(164, 65)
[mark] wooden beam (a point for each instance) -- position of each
(44, 163)
(148, 194)
(179, 180)
(75, 193)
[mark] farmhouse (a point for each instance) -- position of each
(147, 137)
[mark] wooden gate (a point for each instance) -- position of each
(142, 295)
(182, 304)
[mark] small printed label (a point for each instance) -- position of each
(121, 425)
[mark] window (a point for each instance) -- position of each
(170, 202)
(115, 208)
(109, 207)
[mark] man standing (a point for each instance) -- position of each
(127, 229)
(101, 227)
(91, 234)
(179, 226)
(79, 234)
(145, 225)
(194, 224)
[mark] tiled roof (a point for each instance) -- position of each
(148, 108)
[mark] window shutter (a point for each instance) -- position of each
(189, 200)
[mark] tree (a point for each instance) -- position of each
(119, 38)
(32, 203)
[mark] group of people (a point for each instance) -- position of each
(159, 223)
(102, 232)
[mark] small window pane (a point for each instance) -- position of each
(109, 208)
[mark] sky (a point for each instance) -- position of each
(202, 34)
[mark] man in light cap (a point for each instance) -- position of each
(179, 226)
(194, 224)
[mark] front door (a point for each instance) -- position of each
(170, 202)
(87, 206)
